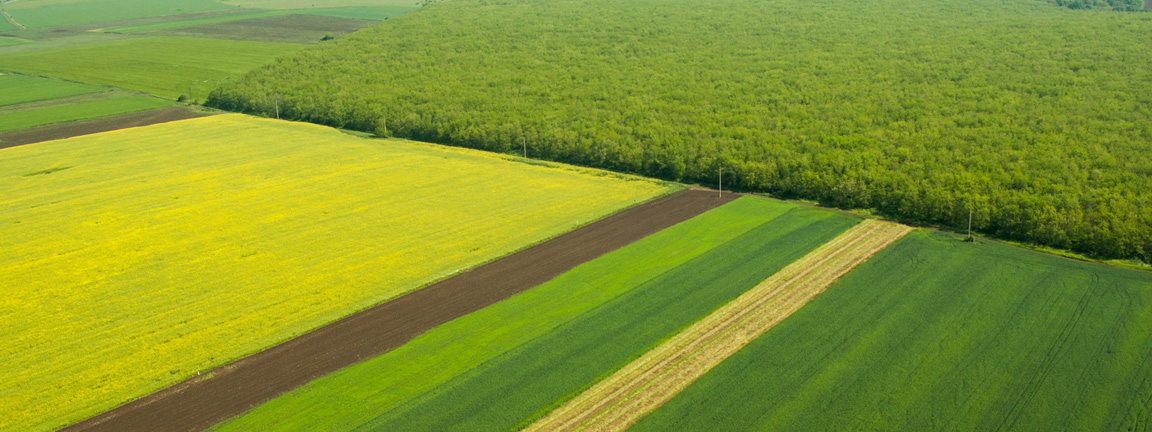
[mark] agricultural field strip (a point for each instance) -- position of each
(937, 334)
(447, 351)
(79, 111)
(109, 123)
(240, 233)
(198, 404)
(513, 391)
(623, 398)
(67, 100)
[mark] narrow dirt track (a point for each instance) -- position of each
(197, 404)
(623, 398)
(90, 126)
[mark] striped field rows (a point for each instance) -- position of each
(648, 382)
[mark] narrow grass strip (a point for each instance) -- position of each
(625, 397)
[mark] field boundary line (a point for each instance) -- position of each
(640, 387)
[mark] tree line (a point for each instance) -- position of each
(1033, 117)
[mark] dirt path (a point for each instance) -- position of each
(57, 131)
(12, 20)
(196, 404)
(626, 396)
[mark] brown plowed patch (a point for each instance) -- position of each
(90, 126)
(197, 404)
(643, 385)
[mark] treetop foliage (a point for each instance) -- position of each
(1033, 116)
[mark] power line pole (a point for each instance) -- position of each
(969, 239)
(524, 142)
(721, 183)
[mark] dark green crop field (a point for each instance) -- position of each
(936, 334)
(1034, 116)
(513, 361)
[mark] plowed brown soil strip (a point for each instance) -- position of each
(236, 387)
(643, 385)
(96, 125)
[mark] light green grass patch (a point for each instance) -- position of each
(79, 111)
(17, 89)
(194, 21)
(376, 13)
(359, 393)
(164, 66)
(365, 12)
(53, 13)
(300, 4)
(936, 334)
(9, 41)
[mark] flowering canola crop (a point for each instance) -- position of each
(135, 258)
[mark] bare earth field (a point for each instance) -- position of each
(91, 126)
(232, 389)
(623, 398)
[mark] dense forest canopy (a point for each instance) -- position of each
(1038, 118)
(1119, 5)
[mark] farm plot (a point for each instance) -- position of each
(150, 253)
(7, 41)
(516, 388)
(118, 104)
(18, 89)
(936, 334)
(53, 13)
(301, 29)
(71, 129)
(238, 24)
(164, 66)
(645, 384)
(356, 395)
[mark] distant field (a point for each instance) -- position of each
(8, 41)
(164, 66)
(52, 13)
(297, 4)
(368, 13)
(446, 352)
(936, 334)
(78, 111)
(453, 378)
(17, 89)
(147, 254)
(303, 29)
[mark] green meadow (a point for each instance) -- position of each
(79, 111)
(53, 13)
(18, 89)
(936, 334)
(164, 66)
(360, 12)
(9, 41)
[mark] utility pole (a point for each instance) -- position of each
(189, 93)
(721, 183)
(524, 142)
(969, 239)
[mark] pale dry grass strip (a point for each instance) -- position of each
(643, 385)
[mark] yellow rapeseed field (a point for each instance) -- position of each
(130, 260)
